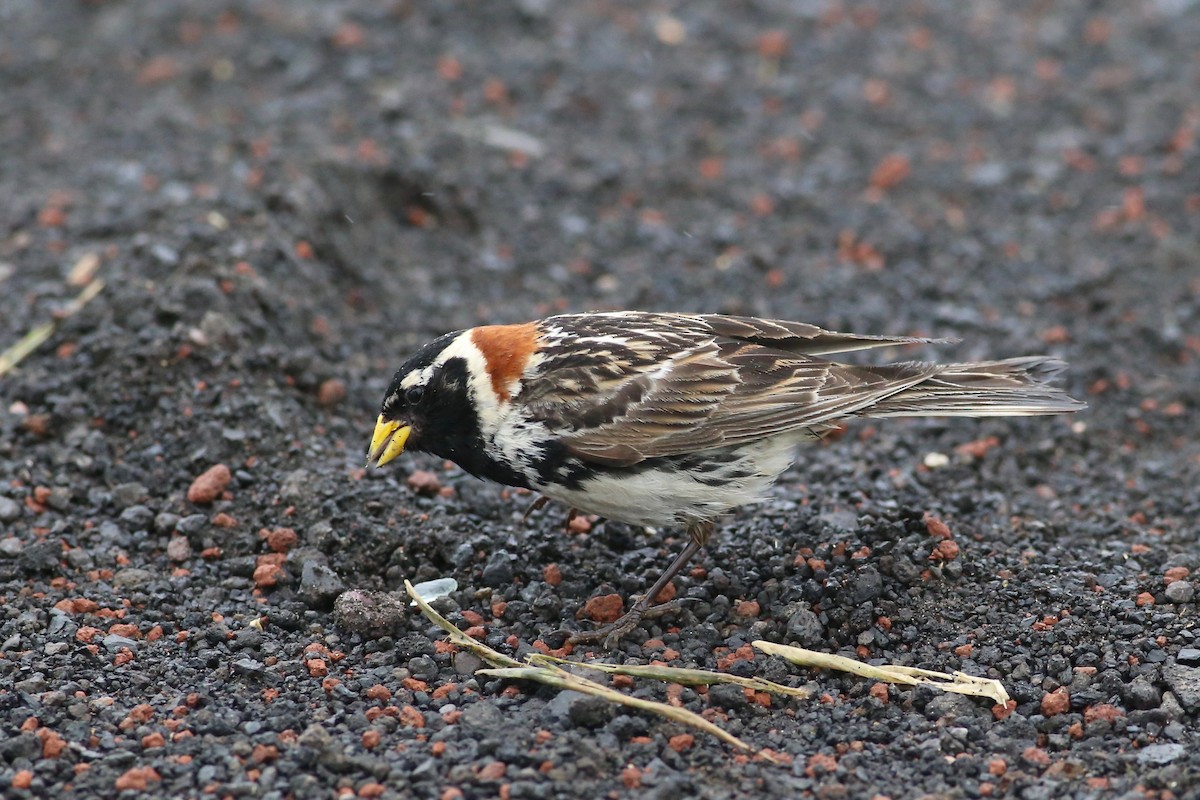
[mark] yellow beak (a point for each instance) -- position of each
(387, 442)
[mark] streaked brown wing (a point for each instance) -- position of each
(772, 394)
(619, 389)
(800, 337)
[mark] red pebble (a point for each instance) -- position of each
(606, 608)
(208, 486)
(422, 481)
(1056, 702)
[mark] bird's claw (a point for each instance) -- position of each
(611, 635)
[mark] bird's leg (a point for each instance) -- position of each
(534, 506)
(698, 535)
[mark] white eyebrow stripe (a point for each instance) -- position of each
(418, 378)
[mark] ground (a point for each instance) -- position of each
(283, 200)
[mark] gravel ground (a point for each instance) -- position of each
(284, 199)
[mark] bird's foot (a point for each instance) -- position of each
(611, 635)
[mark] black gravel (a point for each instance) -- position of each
(284, 199)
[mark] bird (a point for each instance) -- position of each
(669, 419)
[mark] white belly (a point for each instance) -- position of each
(662, 497)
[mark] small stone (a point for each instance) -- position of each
(380, 692)
(166, 522)
(281, 539)
(1189, 656)
(746, 608)
(586, 711)
(604, 609)
(466, 663)
(9, 509)
(179, 549)
(411, 717)
(369, 614)
(11, 546)
(137, 517)
(248, 666)
(128, 494)
(192, 523)
(498, 572)
(804, 627)
(1056, 702)
(59, 499)
(320, 585)
(209, 485)
(79, 558)
(112, 642)
(247, 638)
(113, 534)
(905, 571)
(1102, 712)
(1159, 754)
(946, 550)
(681, 741)
(728, 695)
(286, 619)
(331, 392)
(1035, 756)
(867, 584)
(936, 460)
(946, 706)
(137, 778)
(1175, 574)
(269, 574)
(1141, 693)
(35, 685)
(296, 486)
(41, 556)
(422, 481)
(493, 771)
(484, 719)
(315, 737)
(423, 668)
(936, 527)
(132, 578)
(1180, 591)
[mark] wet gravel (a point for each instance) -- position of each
(197, 576)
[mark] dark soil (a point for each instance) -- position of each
(285, 199)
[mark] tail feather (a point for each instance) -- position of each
(1014, 387)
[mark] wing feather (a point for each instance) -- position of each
(620, 388)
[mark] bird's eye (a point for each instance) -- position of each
(413, 394)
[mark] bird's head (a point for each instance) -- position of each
(451, 396)
(427, 404)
